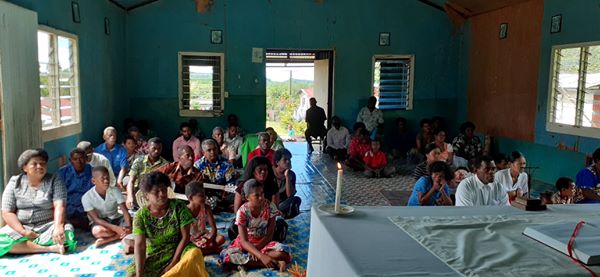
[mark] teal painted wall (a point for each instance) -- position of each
(580, 24)
(101, 66)
(156, 32)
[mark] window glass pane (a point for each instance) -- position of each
(591, 110)
(565, 85)
(391, 78)
(376, 78)
(67, 82)
(201, 88)
(47, 81)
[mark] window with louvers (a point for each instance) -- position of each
(574, 98)
(201, 84)
(392, 82)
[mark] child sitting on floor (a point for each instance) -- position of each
(254, 246)
(376, 164)
(101, 204)
(359, 146)
(207, 240)
(567, 192)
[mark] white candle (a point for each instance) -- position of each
(338, 189)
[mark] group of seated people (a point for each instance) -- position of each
(458, 173)
(102, 186)
(488, 182)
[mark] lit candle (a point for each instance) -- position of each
(338, 189)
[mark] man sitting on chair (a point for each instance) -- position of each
(315, 124)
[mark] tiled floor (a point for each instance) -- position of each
(108, 261)
(314, 174)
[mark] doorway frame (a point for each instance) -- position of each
(329, 53)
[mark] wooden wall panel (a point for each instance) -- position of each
(503, 73)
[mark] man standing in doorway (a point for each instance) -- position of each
(315, 124)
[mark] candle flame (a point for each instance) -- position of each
(339, 166)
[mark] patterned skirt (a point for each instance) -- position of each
(10, 237)
(235, 254)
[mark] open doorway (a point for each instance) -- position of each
(293, 77)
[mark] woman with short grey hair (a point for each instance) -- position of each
(33, 207)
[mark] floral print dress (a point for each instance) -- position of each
(162, 235)
(257, 229)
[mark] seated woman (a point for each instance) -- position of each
(566, 192)
(255, 220)
(33, 207)
(588, 179)
(162, 234)
(359, 146)
(466, 145)
(446, 151)
(425, 136)
(259, 169)
(514, 180)
(289, 204)
(432, 190)
(432, 154)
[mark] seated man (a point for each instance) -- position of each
(481, 189)
(264, 148)
(115, 153)
(183, 171)
(216, 170)
(338, 139)
(218, 134)
(401, 141)
(95, 159)
(588, 180)
(143, 165)
(77, 177)
(234, 142)
(315, 123)
(276, 141)
(140, 143)
(186, 138)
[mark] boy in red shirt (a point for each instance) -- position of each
(376, 164)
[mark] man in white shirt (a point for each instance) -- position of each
(96, 159)
(370, 116)
(480, 189)
(338, 139)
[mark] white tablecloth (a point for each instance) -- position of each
(367, 243)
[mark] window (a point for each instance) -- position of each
(201, 84)
(574, 96)
(59, 83)
(393, 81)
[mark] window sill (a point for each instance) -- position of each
(573, 130)
(61, 132)
(188, 113)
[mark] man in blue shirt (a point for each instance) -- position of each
(115, 153)
(588, 180)
(77, 178)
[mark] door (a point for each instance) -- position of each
(19, 86)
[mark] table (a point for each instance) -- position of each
(367, 243)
